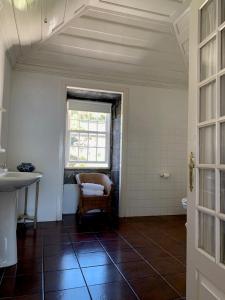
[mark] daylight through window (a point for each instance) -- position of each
(88, 134)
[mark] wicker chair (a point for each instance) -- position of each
(88, 203)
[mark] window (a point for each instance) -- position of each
(88, 134)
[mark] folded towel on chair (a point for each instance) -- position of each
(93, 186)
(92, 192)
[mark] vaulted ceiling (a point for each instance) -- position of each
(128, 41)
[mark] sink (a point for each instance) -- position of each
(12, 181)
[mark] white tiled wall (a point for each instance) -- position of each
(157, 142)
(5, 90)
(157, 124)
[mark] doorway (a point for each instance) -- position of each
(94, 125)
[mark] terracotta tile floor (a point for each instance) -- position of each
(144, 258)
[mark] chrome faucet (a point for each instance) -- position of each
(3, 169)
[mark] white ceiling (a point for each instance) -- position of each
(131, 41)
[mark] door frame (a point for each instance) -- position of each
(124, 136)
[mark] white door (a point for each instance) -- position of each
(206, 210)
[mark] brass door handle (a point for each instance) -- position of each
(191, 171)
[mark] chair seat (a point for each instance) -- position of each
(88, 203)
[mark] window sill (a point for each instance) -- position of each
(86, 169)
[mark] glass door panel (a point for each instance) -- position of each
(222, 242)
(208, 102)
(222, 143)
(222, 191)
(208, 59)
(223, 49)
(222, 11)
(222, 96)
(207, 188)
(208, 19)
(206, 240)
(207, 147)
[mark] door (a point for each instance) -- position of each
(206, 208)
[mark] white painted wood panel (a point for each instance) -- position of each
(151, 40)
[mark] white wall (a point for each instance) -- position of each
(34, 130)
(157, 124)
(157, 139)
(5, 91)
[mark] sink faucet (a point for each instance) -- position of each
(3, 169)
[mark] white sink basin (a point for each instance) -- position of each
(9, 183)
(12, 181)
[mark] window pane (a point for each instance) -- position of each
(101, 140)
(222, 191)
(92, 140)
(93, 116)
(222, 242)
(74, 139)
(101, 154)
(222, 143)
(83, 154)
(84, 125)
(92, 154)
(73, 153)
(73, 124)
(208, 19)
(207, 233)
(84, 139)
(207, 188)
(208, 59)
(83, 115)
(207, 145)
(101, 126)
(93, 125)
(222, 96)
(208, 102)
(223, 49)
(102, 117)
(73, 114)
(222, 11)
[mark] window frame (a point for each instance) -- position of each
(107, 133)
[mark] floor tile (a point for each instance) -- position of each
(153, 252)
(29, 253)
(57, 239)
(86, 247)
(21, 285)
(62, 280)
(93, 259)
(60, 262)
(82, 237)
(101, 274)
(55, 245)
(179, 282)
(166, 266)
(114, 245)
(153, 289)
(114, 291)
(136, 269)
(30, 241)
(28, 297)
(71, 294)
(60, 249)
(104, 236)
(124, 255)
(24, 267)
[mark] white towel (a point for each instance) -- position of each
(93, 186)
(92, 192)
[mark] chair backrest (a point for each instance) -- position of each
(97, 178)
